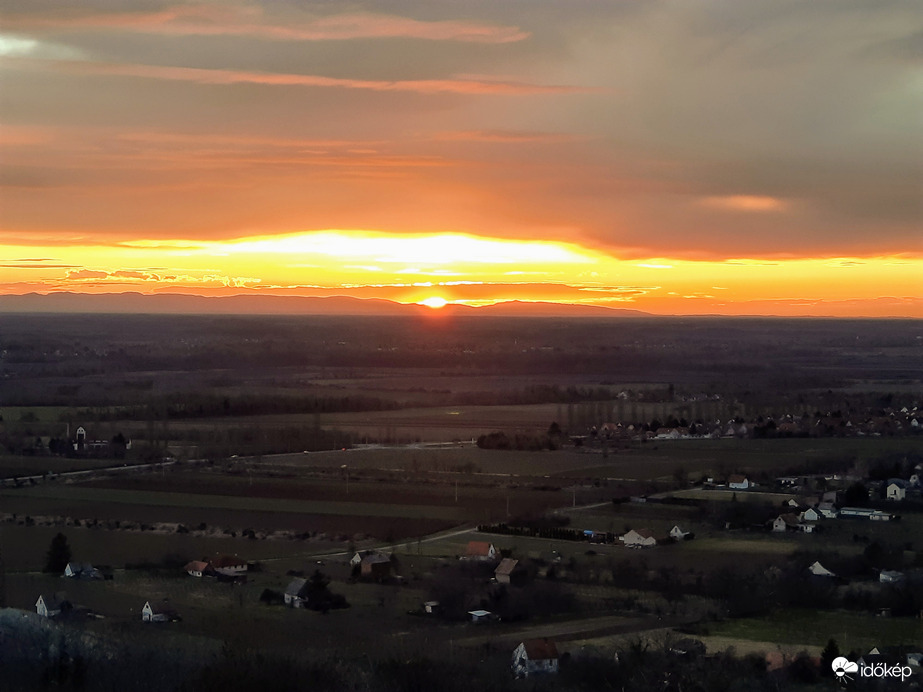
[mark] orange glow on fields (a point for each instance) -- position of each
(454, 268)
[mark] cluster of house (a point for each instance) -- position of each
(904, 421)
(222, 567)
(53, 605)
(225, 567)
(804, 518)
(507, 571)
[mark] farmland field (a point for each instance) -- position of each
(852, 631)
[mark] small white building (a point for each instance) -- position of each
(786, 522)
(480, 615)
(827, 510)
(642, 538)
(890, 576)
(535, 657)
(818, 570)
(81, 570)
(738, 482)
(811, 514)
(151, 613)
(52, 605)
(896, 490)
(677, 534)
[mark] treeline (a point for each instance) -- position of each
(554, 532)
(519, 441)
(216, 406)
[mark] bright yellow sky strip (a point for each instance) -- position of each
(460, 268)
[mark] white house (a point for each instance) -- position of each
(51, 605)
(811, 514)
(738, 482)
(480, 615)
(890, 576)
(642, 538)
(818, 570)
(828, 510)
(677, 534)
(896, 490)
(81, 570)
(151, 613)
(535, 656)
(296, 593)
(786, 522)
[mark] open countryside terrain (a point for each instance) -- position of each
(379, 444)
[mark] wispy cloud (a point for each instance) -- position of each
(503, 136)
(223, 20)
(752, 203)
(96, 277)
(231, 77)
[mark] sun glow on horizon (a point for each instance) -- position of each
(435, 302)
(439, 269)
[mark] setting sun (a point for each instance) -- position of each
(434, 302)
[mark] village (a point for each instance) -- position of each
(491, 581)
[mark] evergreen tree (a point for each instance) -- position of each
(59, 554)
(830, 652)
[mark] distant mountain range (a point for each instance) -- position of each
(139, 303)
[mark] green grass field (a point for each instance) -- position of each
(852, 631)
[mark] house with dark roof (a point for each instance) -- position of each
(52, 605)
(791, 522)
(535, 657)
(375, 566)
(296, 593)
(506, 570)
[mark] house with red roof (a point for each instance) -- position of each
(535, 657)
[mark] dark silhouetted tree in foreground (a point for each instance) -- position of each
(59, 554)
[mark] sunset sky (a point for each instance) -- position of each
(681, 157)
